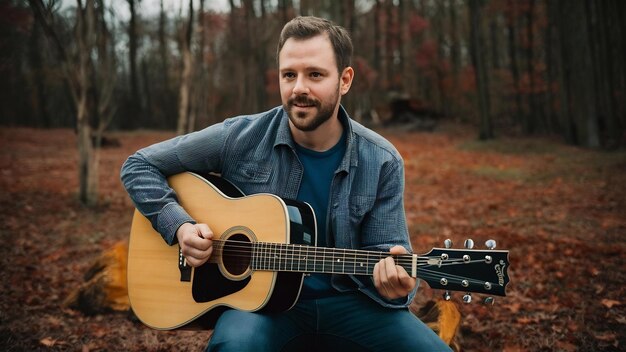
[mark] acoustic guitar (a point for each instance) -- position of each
(263, 247)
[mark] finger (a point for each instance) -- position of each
(406, 281)
(204, 231)
(199, 237)
(379, 278)
(389, 277)
(396, 250)
(195, 262)
(393, 283)
(191, 252)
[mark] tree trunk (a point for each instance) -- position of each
(87, 163)
(135, 103)
(38, 99)
(578, 60)
(512, 34)
(534, 117)
(186, 78)
(455, 45)
(405, 49)
(480, 69)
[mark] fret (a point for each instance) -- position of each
(306, 259)
(265, 259)
(299, 258)
(268, 256)
(284, 258)
(323, 260)
(350, 262)
(314, 259)
(361, 263)
(277, 256)
(254, 256)
(259, 259)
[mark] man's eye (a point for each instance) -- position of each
(316, 74)
(289, 75)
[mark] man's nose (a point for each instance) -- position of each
(300, 86)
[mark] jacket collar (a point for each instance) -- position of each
(283, 137)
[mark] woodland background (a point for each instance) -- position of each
(510, 115)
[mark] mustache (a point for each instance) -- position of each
(302, 100)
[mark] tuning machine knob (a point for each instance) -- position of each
(490, 244)
(467, 298)
(489, 301)
(447, 296)
(469, 243)
(447, 243)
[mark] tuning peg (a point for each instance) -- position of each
(490, 244)
(469, 243)
(489, 301)
(447, 243)
(467, 298)
(447, 296)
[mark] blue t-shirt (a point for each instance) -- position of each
(319, 170)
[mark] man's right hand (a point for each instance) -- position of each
(195, 242)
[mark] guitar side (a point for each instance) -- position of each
(158, 296)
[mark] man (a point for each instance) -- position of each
(310, 150)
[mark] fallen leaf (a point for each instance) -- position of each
(527, 320)
(48, 341)
(513, 307)
(607, 336)
(609, 303)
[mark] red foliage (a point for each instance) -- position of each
(418, 24)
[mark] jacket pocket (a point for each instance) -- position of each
(359, 206)
(250, 172)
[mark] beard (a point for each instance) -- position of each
(301, 119)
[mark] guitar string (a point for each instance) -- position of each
(292, 252)
(404, 259)
(243, 249)
(284, 260)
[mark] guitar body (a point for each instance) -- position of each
(166, 294)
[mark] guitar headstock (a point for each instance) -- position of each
(468, 270)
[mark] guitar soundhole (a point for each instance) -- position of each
(237, 254)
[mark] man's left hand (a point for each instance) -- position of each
(391, 280)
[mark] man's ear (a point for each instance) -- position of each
(346, 80)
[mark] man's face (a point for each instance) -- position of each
(310, 85)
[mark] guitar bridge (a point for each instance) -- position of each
(185, 270)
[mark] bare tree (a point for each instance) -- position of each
(186, 78)
(480, 69)
(133, 46)
(84, 76)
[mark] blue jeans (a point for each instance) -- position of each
(345, 322)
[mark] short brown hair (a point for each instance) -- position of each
(305, 27)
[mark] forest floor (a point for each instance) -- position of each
(560, 210)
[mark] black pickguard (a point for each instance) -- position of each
(209, 283)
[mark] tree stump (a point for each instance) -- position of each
(105, 288)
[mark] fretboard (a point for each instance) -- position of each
(308, 259)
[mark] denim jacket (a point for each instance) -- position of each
(257, 154)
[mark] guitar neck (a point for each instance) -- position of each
(265, 256)
(452, 269)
